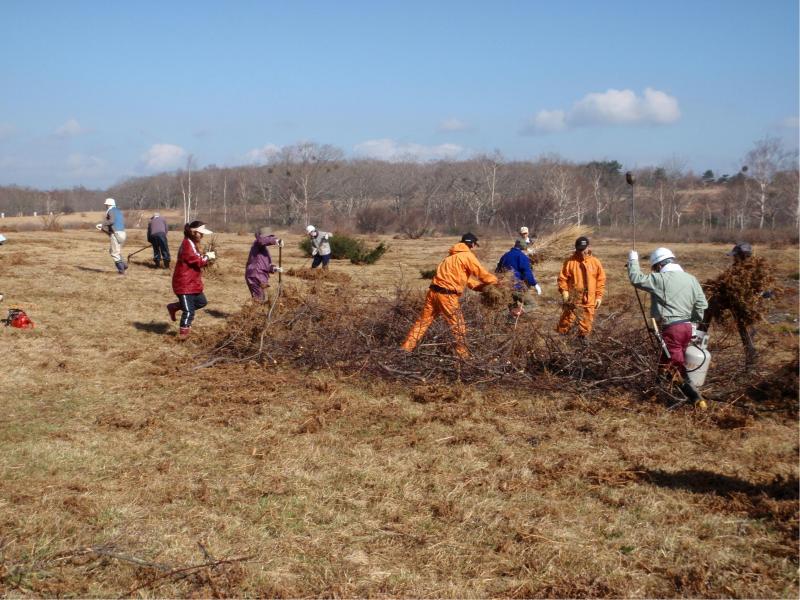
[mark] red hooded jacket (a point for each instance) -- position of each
(187, 277)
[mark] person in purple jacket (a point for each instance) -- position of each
(259, 263)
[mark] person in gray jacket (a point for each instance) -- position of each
(676, 301)
(157, 236)
(320, 247)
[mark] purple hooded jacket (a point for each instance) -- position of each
(259, 263)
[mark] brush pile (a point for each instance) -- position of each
(318, 274)
(739, 291)
(557, 244)
(364, 336)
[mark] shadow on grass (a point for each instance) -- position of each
(93, 269)
(708, 482)
(217, 314)
(159, 328)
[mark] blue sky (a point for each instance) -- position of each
(92, 92)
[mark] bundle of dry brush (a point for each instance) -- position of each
(324, 328)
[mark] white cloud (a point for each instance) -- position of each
(788, 123)
(549, 120)
(613, 107)
(70, 129)
(163, 157)
(263, 154)
(6, 130)
(392, 150)
(452, 124)
(80, 165)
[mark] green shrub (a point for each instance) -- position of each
(343, 246)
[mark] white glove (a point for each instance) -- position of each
(280, 243)
(633, 255)
(211, 255)
(538, 289)
(277, 269)
(326, 236)
(99, 227)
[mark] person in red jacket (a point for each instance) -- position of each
(187, 279)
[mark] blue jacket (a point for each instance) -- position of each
(115, 219)
(516, 260)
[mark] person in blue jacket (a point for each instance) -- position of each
(517, 261)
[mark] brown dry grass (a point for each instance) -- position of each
(114, 449)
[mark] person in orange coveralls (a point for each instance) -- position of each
(458, 270)
(581, 282)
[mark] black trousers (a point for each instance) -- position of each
(190, 303)
(160, 246)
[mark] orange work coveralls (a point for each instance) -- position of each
(453, 274)
(585, 280)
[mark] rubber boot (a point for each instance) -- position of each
(687, 387)
(158, 262)
(166, 263)
(173, 308)
(184, 332)
(120, 267)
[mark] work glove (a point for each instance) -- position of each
(598, 302)
(538, 289)
(633, 255)
(280, 243)
(565, 296)
(211, 255)
(277, 269)
(99, 227)
(326, 236)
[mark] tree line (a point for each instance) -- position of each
(311, 182)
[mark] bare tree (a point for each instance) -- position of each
(764, 160)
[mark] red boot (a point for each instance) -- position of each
(184, 332)
(173, 308)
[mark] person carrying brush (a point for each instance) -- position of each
(516, 261)
(581, 282)
(259, 263)
(187, 278)
(459, 270)
(676, 301)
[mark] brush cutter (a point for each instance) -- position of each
(653, 333)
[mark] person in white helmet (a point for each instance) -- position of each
(320, 247)
(676, 301)
(114, 226)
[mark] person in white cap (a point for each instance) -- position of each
(676, 301)
(320, 247)
(525, 241)
(114, 226)
(187, 279)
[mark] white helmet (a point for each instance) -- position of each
(310, 228)
(523, 230)
(110, 202)
(660, 255)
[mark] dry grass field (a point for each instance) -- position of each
(127, 472)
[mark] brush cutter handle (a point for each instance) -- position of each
(137, 252)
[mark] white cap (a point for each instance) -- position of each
(660, 254)
(523, 230)
(202, 229)
(110, 202)
(310, 228)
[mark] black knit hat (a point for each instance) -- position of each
(582, 243)
(470, 238)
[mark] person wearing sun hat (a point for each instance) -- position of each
(187, 279)
(114, 226)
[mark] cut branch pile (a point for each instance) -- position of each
(363, 336)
